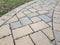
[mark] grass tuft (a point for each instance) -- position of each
(7, 5)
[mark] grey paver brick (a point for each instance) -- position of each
(15, 25)
(32, 14)
(25, 20)
(57, 35)
(38, 2)
(28, 7)
(45, 18)
(57, 20)
(35, 4)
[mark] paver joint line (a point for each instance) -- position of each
(34, 23)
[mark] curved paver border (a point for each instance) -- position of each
(10, 14)
(34, 27)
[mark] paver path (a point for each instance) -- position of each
(34, 23)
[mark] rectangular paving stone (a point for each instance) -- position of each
(57, 8)
(6, 41)
(38, 8)
(22, 31)
(38, 26)
(32, 14)
(35, 5)
(40, 39)
(13, 19)
(28, 7)
(25, 20)
(4, 31)
(49, 33)
(15, 25)
(26, 11)
(56, 26)
(42, 12)
(56, 15)
(57, 35)
(23, 10)
(45, 18)
(24, 41)
(56, 20)
(35, 19)
(20, 14)
(32, 10)
(48, 7)
(56, 12)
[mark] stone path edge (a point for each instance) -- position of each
(10, 14)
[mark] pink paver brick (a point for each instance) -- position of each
(24, 41)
